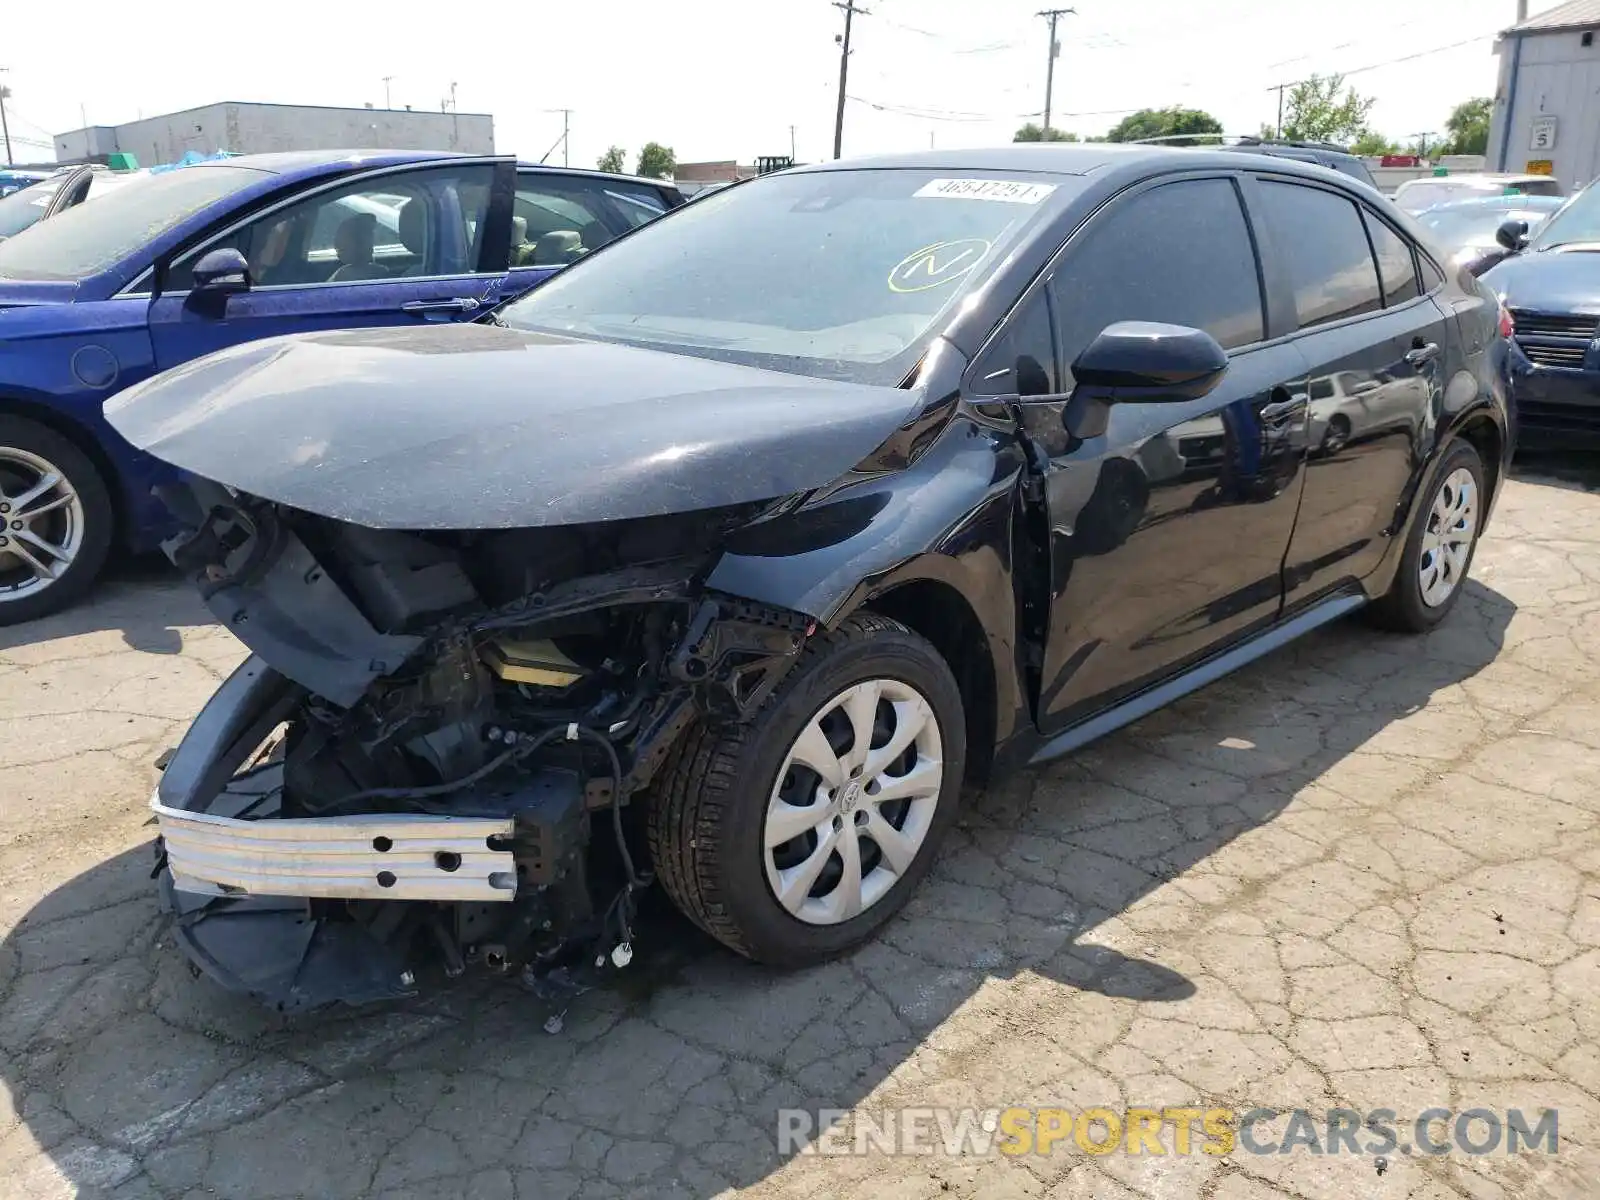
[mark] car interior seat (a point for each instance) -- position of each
(558, 248)
(412, 225)
(352, 242)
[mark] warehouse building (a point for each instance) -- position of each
(1547, 106)
(261, 128)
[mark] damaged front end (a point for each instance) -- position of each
(430, 758)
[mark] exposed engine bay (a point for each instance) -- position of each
(430, 760)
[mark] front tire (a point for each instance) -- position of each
(57, 521)
(1439, 546)
(797, 836)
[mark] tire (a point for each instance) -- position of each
(84, 523)
(1407, 607)
(708, 818)
(1336, 435)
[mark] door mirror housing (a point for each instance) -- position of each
(1141, 362)
(1512, 234)
(220, 272)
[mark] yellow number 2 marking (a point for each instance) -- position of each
(936, 265)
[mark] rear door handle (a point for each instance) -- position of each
(1421, 354)
(460, 304)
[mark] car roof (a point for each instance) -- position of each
(1061, 158)
(1499, 200)
(313, 162)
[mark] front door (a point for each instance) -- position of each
(397, 248)
(1167, 530)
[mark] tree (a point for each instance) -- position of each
(656, 161)
(614, 160)
(1163, 123)
(1037, 133)
(1317, 112)
(1371, 142)
(1468, 124)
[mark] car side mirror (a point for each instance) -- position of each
(221, 272)
(1512, 234)
(1140, 362)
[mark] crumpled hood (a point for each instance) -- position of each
(1549, 281)
(482, 427)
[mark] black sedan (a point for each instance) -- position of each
(725, 556)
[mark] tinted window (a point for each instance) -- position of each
(555, 222)
(636, 203)
(1397, 270)
(1431, 277)
(1324, 247)
(385, 228)
(842, 273)
(1180, 253)
(1021, 360)
(90, 238)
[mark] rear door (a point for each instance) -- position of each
(396, 247)
(1167, 530)
(1374, 346)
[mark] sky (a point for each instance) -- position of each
(720, 79)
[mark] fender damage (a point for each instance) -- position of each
(470, 651)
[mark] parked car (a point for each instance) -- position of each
(1469, 229)
(13, 179)
(174, 264)
(1323, 154)
(1550, 283)
(56, 193)
(1416, 195)
(773, 567)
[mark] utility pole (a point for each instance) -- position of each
(386, 80)
(1277, 130)
(1422, 143)
(791, 144)
(1051, 15)
(4, 128)
(850, 10)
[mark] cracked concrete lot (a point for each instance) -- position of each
(1363, 873)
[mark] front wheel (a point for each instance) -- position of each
(55, 521)
(1439, 546)
(795, 837)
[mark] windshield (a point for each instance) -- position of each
(1474, 224)
(1417, 196)
(89, 238)
(840, 274)
(21, 209)
(1577, 221)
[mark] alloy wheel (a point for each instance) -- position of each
(853, 801)
(1447, 540)
(43, 523)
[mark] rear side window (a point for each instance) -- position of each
(1320, 237)
(1397, 269)
(1180, 253)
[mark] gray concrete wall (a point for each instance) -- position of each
(1557, 76)
(261, 128)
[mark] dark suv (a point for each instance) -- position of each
(1322, 153)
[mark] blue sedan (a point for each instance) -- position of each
(177, 264)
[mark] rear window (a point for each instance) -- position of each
(90, 238)
(1324, 245)
(21, 209)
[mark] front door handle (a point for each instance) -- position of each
(1418, 355)
(1280, 411)
(460, 304)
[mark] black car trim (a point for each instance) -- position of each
(1207, 671)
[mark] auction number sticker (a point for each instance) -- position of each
(1004, 190)
(936, 265)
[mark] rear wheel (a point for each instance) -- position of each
(795, 837)
(57, 521)
(1439, 547)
